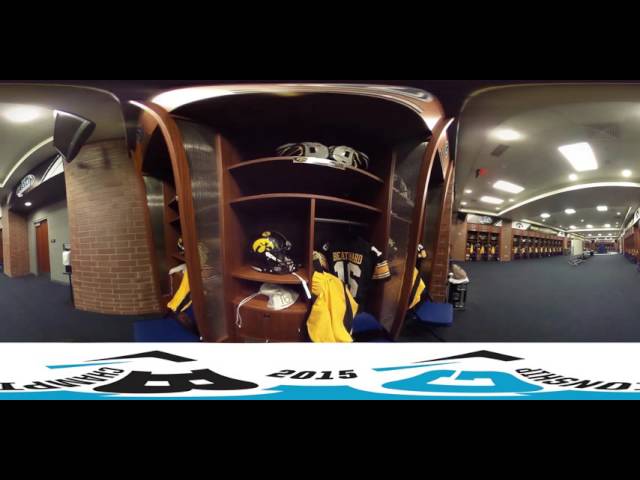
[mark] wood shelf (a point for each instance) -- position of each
(175, 222)
(247, 273)
(277, 163)
(260, 303)
(400, 219)
(321, 199)
(173, 204)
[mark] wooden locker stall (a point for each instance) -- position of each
(214, 179)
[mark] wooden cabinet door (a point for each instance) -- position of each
(42, 247)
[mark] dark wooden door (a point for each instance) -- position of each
(42, 247)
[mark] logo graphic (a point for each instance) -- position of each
(25, 185)
(159, 374)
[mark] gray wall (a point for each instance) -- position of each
(58, 222)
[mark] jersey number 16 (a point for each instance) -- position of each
(350, 271)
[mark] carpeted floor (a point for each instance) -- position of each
(34, 309)
(546, 300)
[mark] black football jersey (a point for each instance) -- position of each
(357, 263)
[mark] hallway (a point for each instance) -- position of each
(547, 300)
(34, 309)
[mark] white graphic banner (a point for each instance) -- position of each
(312, 371)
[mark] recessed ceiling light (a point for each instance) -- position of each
(497, 208)
(28, 204)
(511, 200)
(544, 219)
(582, 220)
(572, 227)
(618, 213)
(569, 211)
(599, 234)
(580, 156)
(590, 235)
(545, 215)
(493, 200)
(23, 114)
(468, 191)
(626, 173)
(602, 208)
(507, 187)
(589, 226)
(507, 134)
(607, 225)
(463, 203)
(573, 177)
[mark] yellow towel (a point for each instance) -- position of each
(326, 320)
(182, 299)
(421, 288)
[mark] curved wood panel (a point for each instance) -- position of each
(422, 103)
(173, 138)
(417, 226)
(268, 160)
(305, 196)
(247, 273)
(437, 276)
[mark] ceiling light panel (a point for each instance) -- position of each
(508, 187)
(580, 156)
(491, 200)
(507, 134)
(23, 113)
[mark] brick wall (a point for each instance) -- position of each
(109, 246)
(458, 239)
(15, 244)
(506, 241)
(440, 272)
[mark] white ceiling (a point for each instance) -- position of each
(18, 141)
(548, 116)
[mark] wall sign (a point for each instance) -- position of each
(520, 225)
(471, 218)
(25, 185)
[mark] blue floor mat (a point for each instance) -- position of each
(162, 330)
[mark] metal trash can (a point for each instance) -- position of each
(458, 292)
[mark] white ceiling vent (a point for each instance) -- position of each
(611, 130)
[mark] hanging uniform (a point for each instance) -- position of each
(418, 282)
(181, 301)
(332, 313)
(357, 263)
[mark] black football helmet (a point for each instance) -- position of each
(268, 253)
